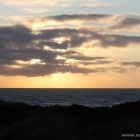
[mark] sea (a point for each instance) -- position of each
(65, 97)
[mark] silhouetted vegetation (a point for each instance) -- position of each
(19, 121)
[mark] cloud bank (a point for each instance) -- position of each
(28, 52)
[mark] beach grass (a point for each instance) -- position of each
(19, 121)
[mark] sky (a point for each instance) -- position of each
(69, 44)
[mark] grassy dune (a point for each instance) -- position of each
(19, 121)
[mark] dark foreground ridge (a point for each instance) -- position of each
(19, 121)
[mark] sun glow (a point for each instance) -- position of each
(60, 57)
(38, 25)
(32, 61)
(60, 39)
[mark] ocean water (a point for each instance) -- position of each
(86, 97)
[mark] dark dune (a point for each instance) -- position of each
(19, 121)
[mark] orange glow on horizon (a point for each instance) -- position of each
(68, 80)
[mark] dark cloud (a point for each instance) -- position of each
(78, 37)
(133, 63)
(13, 38)
(55, 45)
(83, 17)
(55, 33)
(20, 43)
(17, 33)
(97, 62)
(42, 70)
(127, 22)
(80, 57)
(118, 69)
(115, 40)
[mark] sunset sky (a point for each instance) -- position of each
(70, 43)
